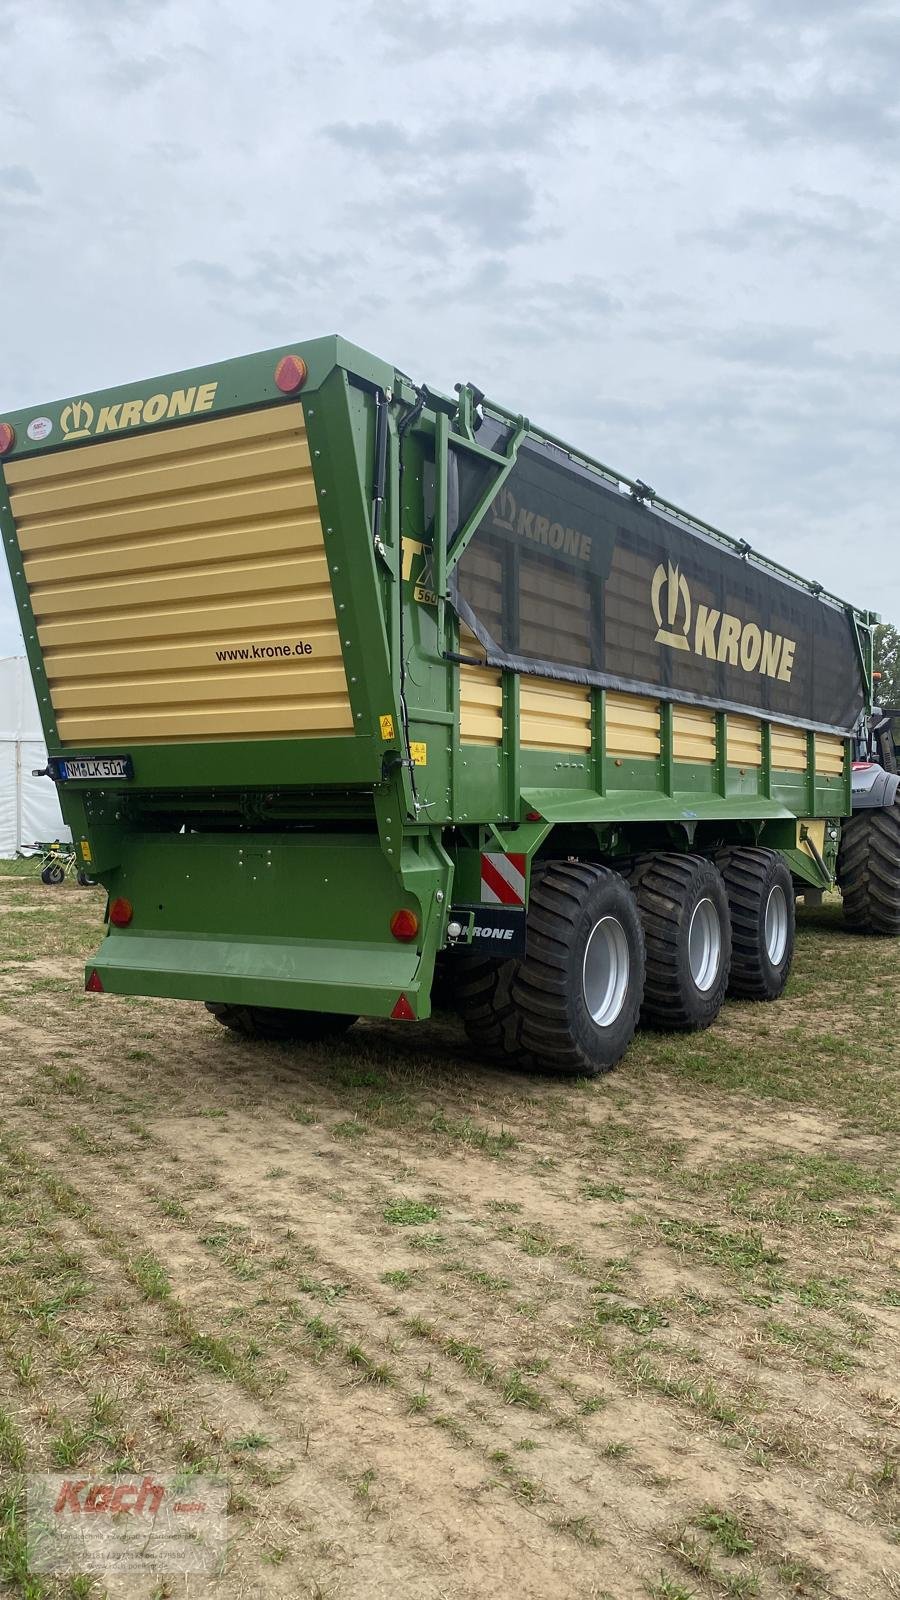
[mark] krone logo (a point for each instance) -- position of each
(674, 630)
(504, 509)
(77, 418)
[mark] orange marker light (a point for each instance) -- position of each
(291, 374)
(404, 925)
(7, 437)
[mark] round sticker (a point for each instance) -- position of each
(39, 427)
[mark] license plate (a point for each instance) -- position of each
(93, 767)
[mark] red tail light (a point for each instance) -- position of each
(7, 437)
(404, 925)
(533, 816)
(291, 374)
(403, 1011)
(94, 984)
(120, 913)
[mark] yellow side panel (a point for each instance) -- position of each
(744, 742)
(830, 754)
(480, 699)
(554, 715)
(814, 829)
(788, 749)
(180, 584)
(693, 734)
(632, 725)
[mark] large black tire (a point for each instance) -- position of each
(482, 994)
(761, 900)
(868, 870)
(687, 928)
(265, 1022)
(572, 1005)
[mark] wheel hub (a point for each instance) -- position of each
(606, 971)
(704, 945)
(776, 925)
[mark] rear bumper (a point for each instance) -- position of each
(296, 974)
(297, 921)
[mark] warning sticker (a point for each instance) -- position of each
(418, 753)
(387, 727)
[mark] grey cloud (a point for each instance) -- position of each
(377, 140)
(494, 209)
(817, 221)
(527, 124)
(795, 348)
(133, 74)
(19, 180)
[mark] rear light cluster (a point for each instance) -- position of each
(7, 437)
(121, 912)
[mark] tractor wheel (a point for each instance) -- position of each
(267, 1022)
(687, 928)
(54, 873)
(572, 1004)
(761, 902)
(868, 870)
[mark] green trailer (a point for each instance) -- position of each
(353, 690)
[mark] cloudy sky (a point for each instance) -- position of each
(664, 229)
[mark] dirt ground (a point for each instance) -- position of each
(450, 1332)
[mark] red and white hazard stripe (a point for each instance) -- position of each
(502, 879)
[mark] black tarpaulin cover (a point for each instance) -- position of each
(568, 576)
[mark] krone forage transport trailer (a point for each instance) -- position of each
(349, 685)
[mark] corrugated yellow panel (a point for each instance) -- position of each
(788, 749)
(480, 701)
(744, 742)
(180, 584)
(554, 715)
(632, 725)
(830, 754)
(693, 734)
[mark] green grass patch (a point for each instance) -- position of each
(410, 1213)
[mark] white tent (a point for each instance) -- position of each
(29, 808)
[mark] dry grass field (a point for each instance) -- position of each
(450, 1332)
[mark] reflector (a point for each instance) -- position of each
(404, 925)
(290, 374)
(94, 984)
(403, 1011)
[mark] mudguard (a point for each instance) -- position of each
(872, 788)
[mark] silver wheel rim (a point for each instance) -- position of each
(606, 971)
(776, 925)
(704, 945)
